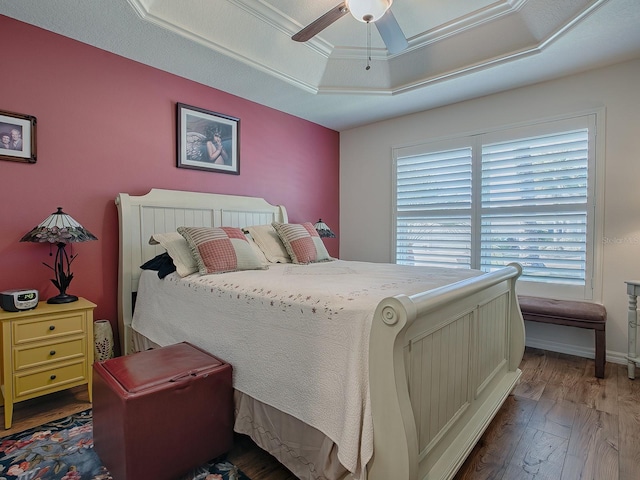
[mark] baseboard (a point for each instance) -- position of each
(578, 351)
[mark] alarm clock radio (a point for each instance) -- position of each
(21, 299)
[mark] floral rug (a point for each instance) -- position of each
(63, 450)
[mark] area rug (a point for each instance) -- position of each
(63, 450)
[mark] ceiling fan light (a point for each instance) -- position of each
(368, 10)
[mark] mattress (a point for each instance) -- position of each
(296, 335)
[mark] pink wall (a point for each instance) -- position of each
(108, 125)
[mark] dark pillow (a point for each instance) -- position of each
(163, 264)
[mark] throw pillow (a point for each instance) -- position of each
(256, 249)
(269, 242)
(220, 249)
(163, 264)
(302, 242)
(179, 251)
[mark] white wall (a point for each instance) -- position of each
(366, 169)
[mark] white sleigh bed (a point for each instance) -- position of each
(441, 360)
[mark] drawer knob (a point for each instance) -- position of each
(52, 377)
(52, 327)
(52, 352)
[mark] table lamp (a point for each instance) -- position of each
(60, 228)
(323, 230)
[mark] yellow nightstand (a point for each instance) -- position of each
(45, 350)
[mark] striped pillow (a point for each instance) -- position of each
(302, 242)
(220, 249)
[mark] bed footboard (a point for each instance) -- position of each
(441, 364)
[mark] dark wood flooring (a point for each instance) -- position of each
(561, 423)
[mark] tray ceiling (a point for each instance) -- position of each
(457, 50)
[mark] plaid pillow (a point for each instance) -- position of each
(220, 249)
(302, 242)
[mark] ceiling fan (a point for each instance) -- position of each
(367, 11)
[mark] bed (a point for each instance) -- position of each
(436, 352)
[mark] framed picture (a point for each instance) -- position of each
(208, 140)
(17, 137)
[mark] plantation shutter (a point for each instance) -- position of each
(523, 194)
(433, 217)
(534, 198)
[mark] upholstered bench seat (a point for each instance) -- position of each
(572, 314)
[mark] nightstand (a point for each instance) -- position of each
(45, 350)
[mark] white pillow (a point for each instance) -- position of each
(269, 242)
(179, 251)
(256, 249)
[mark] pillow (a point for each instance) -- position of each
(269, 242)
(220, 249)
(256, 249)
(163, 264)
(179, 251)
(302, 242)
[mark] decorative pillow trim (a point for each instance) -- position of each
(302, 242)
(220, 249)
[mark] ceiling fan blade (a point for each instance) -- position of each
(391, 33)
(321, 23)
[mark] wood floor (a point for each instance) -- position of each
(561, 423)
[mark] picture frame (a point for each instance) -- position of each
(208, 140)
(17, 137)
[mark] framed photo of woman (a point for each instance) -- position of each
(208, 140)
(17, 137)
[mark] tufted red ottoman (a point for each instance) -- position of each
(158, 414)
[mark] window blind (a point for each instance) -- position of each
(486, 205)
(433, 222)
(534, 206)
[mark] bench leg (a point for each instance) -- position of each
(600, 353)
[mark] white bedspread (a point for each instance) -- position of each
(297, 336)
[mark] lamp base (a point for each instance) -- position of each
(63, 298)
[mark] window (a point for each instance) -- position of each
(521, 195)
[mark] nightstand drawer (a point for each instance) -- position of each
(51, 327)
(33, 356)
(45, 350)
(38, 382)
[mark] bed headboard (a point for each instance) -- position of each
(162, 211)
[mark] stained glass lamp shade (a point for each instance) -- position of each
(323, 230)
(60, 228)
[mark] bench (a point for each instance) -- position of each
(572, 314)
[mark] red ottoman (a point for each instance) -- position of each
(158, 414)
